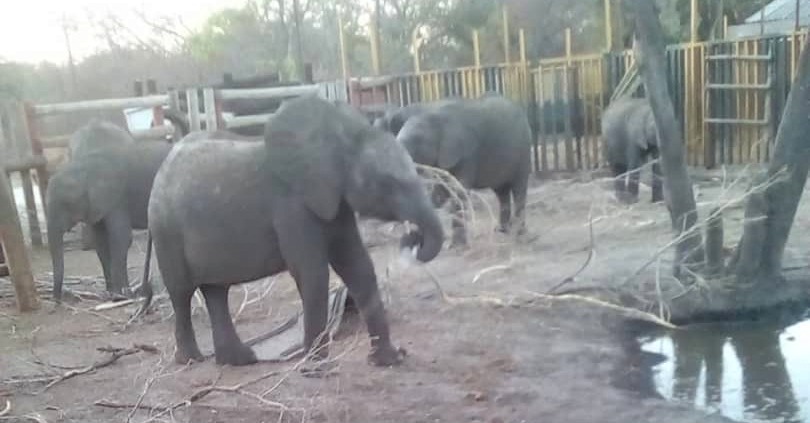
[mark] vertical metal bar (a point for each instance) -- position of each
(344, 59)
(506, 47)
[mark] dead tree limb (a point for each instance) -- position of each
(115, 354)
(678, 188)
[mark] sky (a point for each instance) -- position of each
(31, 30)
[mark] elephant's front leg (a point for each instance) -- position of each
(350, 259)
(303, 245)
(119, 239)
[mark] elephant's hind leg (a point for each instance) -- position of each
(119, 236)
(228, 348)
(103, 252)
(350, 259)
(504, 194)
(180, 288)
(519, 191)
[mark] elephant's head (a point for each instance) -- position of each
(327, 154)
(433, 139)
(98, 135)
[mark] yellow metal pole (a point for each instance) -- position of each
(344, 60)
(506, 50)
(608, 26)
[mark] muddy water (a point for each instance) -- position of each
(755, 371)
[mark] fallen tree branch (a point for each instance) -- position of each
(115, 354)
(631, 312)
(587, 260)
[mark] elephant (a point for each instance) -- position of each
(226, 212)
(105, 185)
(630, 138)
(484, 143)
(393, 120)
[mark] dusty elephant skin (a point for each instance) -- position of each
(484, 143)
(630, 138)
(105, 185)
(225, 212)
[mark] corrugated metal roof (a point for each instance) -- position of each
(781, 10)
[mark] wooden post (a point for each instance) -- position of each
(693, 21)
(37, 150)
(209, 103)
(477, 53)
(193, 102)
(16, 255)
(344, 59)
(725, 27)
(797, 22)
(375, 40)
(157, 111)
(568, 49)
(507, 54)
(608, 26)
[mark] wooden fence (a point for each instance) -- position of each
(728, 97)
(23, 149)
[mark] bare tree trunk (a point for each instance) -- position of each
(15, 251)
(299, 50)
(677, 186)
(764, 239)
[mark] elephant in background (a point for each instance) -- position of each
(105, 185)
(484, 143)
(226, 212)
(393, 120)
(630, 138)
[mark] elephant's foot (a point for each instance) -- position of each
(116, 295)
(186, 355)
(235, 354)
(386, 356)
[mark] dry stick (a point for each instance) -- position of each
(116, 353)
(484, 271)
(632, 312)
(458, 300)
(6, 409)
(718, 210)
(587, 260)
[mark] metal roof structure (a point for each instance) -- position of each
(778, 10)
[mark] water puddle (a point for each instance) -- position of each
(755, 371)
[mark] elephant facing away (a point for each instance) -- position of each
(484, 143)
(106, 185)
(226, 212)
(630, 138)
(393, 120)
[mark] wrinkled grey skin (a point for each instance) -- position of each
(630, 138)
(225, 212)
(106, 185)
(484, 143)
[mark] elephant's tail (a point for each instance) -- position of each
(145, 289)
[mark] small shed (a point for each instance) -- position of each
(779, 17)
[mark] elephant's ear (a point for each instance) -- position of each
(454, 143)
(306, 164)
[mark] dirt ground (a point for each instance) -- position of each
(498, 355)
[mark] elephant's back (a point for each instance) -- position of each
(204, 175)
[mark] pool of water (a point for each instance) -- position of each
(755, 371)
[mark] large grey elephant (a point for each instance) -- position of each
(484, 143)
(225, 212)
(630, 138)
(106, 185)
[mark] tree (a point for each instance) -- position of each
(756, 267)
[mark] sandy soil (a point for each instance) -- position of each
(498, 355)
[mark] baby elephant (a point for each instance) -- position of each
(484, 143)
(630, 138)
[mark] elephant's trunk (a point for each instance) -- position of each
(430, 236)
(56, 246)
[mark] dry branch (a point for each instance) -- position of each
(115, 354)
(587, 260)
(630, 312)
